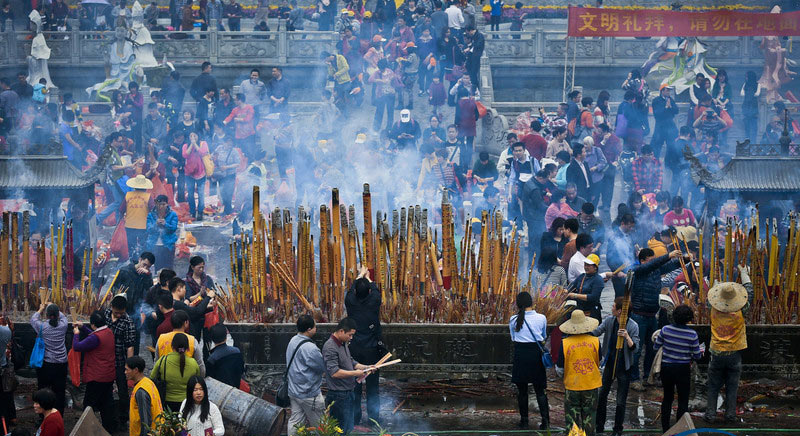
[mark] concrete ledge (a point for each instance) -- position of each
(474, 350)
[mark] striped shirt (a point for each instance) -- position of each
(680, 344)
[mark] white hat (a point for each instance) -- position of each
(140, 182)
(405, 115)
(579, 324)
(727, 297)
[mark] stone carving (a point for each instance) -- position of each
(493, 130)
(724, 49)
(40, 53)
(511, 48)
(632, 48)
(586, 49)
(140, 35)
(244, 48)
(185, 48)
(119, 65)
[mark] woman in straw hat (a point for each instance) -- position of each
(680, 347)
(730, 303)
(136, 209)
(528, 332)
(580, 359)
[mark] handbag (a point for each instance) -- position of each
(161, 379)
(282, 395)
(208, 163)
(37, 355)
(547, 359)
(9, 379)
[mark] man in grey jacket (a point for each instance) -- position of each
(305, 376)
(610, 329)
(254, 90)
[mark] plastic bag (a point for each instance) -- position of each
(212, 318)
(119, 242)
(481, 109)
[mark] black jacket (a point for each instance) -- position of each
(575, 175)
(647, 283)
(226, 364)
(367, 314)
(533, 204)
(202, 84)
(136, 286)
(196, 315)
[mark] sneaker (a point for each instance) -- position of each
(523, 423)
(637, 386)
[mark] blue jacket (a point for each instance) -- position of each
(647, 283)
(168, 231)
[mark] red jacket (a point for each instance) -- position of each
(99, 363)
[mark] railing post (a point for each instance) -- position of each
(608, 50)
(213, 41)
(538, 46)
(74, 35)
(12, 47)
(283, 46)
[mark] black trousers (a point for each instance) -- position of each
(54, 377)
(541, 399)
(674, 377)
(367, 357)
(122, 393)
(623, 383)
(100, 397)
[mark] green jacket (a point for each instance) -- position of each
(176, 383)
(341, 74)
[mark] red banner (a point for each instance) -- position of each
(654, 22)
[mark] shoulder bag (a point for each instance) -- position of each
(37, 355)
(282, 395)
(547, 360)
(161, 379)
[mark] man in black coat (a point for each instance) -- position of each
(136, 279)
(578, 172)
(203, 83)
(474, 51)
(363, 304)
(535, 200)
(225, 363)
(196, 312)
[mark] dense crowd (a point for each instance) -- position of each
(561, 178)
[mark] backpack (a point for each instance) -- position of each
(576, 129)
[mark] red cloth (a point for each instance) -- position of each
(99, 363)
(535, 144)
(53, 425)
(166, 325)
(467, 117)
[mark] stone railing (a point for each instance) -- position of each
(547, 47)
(544, 46)
(87, 49)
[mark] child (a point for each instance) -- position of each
(410, 67)
(39, 90)
(580, 360)
(436, 94)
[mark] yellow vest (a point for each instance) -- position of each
(164, 344)
(581, 363)
(728, 331)
(136, 210)
(155, 405)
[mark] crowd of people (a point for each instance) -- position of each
(188, 344)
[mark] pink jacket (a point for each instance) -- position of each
(556, 210)
(194, 161)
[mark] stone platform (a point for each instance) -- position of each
(472, 350)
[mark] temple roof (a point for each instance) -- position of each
(766, 168)
(46, 172)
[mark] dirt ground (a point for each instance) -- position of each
(478, 407)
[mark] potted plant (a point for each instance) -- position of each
(168, 423)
